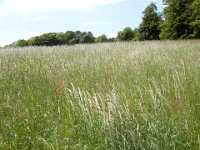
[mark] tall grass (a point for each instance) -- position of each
(140, 95)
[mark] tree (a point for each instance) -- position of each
(21, 43)
(35, 41)
(111, 39)
(77, 38)
(87, 37)
(178, 18)
(196, 18)
(136, 34)
(101, 38)
(126, 34)
(60, 37)
(149, 29)
(70, 37)
(49, 39)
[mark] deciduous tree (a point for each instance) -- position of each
(126, 34)
(149, 29)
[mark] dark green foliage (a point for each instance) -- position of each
(35, 41)
(176, 24)
(87, 37)
(50, 39)
(77, 38)
(21, 43)
(60, 37)
(136, 34)
(69, 37)
(196, 18)
(149, 28)
(181, 19)
(126, 35)
(112, 39)
(101, 38)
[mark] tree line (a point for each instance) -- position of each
(67, 38)
(180, 19)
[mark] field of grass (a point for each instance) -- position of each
(116, 96)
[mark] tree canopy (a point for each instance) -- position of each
(149, 29)
(181, 19)
(126, 35)
(196, 18)
(101, 38)
(50, 39)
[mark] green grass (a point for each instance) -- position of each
(139, 95)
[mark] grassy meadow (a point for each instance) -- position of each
(112, 96)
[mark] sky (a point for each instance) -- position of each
(22, 19)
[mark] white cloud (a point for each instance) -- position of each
(25, 7)
(28, 19)
(96, 23)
